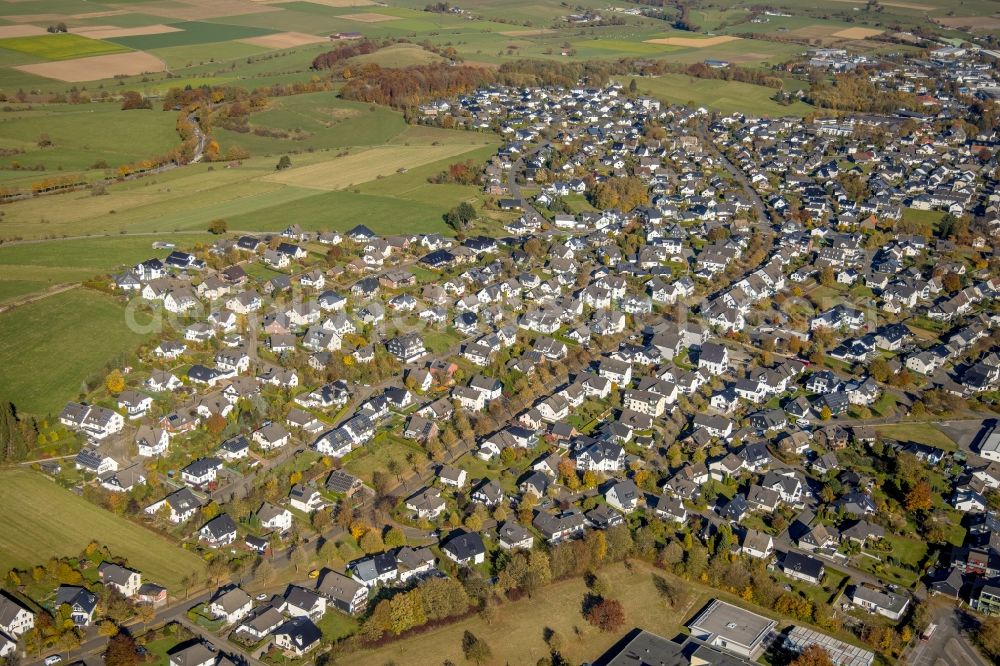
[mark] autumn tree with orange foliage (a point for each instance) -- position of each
(813, 655)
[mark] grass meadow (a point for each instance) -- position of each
(518, 635)
(81, 136)
(60, 46)
(61, 261)
(192, 32)
(727, 96)
(48, 348)
(42, 520)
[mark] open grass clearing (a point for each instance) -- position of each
(82, 135)
(194, 55)
(62, 46)
(367, 165)
(724, 96)
(517, 636)
(383, 452)
(42, 520)
(62, 261)
(48, 348)
(918, 433)
(189, 198)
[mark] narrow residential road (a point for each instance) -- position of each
(762, 211)
(95, 643)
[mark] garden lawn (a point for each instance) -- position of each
(48, 348)
(376, 456)
(43, 519)
(336, 625)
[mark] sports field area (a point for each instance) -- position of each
(42, 520)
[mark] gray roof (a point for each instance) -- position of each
(720, 620)
(338, 587)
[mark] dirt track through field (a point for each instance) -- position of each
(693, 42)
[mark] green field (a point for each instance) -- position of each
(919, 433)
(42, 520)
(49, 347)
(61, 261)
(189, 55)
(192, 32)
(187, 199)
(61, 46)
(80, 136)
(378, 454)
(517, 636)
(724, 96)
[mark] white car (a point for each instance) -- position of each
(53, 659)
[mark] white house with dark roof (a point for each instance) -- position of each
(181, 505)
(232, 605)
(151, 442)
(15, 619)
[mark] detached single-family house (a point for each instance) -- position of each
(465, 548)
(126, 581)
(218, 532)
(232, 605)
(803, 567)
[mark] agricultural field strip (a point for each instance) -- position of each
(343, 172)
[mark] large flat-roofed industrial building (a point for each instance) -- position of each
(732, 628)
